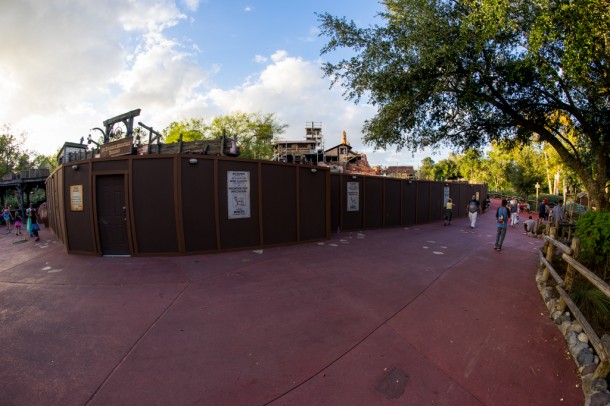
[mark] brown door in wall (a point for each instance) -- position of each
(112, 214)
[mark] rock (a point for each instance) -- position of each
(599, 399)
(584, 357)
(576, 349)
(591, 384)
(571, 338)
(599, 385)
(587, 369)
(582, 337)
(563, 325)
(576, 327)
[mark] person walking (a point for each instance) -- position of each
(502, 216)
(448, 212)
(558, 212)
(29, 220)
(514, 212)
(8, 218)
(542, 209)
(33, 226)
(473, 208)
(18, 221)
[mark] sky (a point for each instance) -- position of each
(68, 65)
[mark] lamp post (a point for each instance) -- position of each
(537, 189)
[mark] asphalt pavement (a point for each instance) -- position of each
(422, 315)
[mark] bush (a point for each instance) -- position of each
(593, 303)
(592, 229)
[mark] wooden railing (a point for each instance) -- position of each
(564, 287)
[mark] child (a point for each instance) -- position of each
(448, 211)
(18, 221)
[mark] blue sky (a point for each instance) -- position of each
(66, 66)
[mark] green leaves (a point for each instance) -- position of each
(254, 133)
(471, 72)
(13, 157)
(593, 233)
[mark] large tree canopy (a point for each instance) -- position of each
(468, 72)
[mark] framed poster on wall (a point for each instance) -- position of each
(353, 196)
(76, 197)
(238, 190)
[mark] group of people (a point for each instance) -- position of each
(554, 214)
(473, 207)
(507, 214)
(15, 220)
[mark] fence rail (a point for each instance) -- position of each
(564, 287)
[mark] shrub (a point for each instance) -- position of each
(592, 229)
(593, 303)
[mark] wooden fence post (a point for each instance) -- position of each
(571, 271)
(550, 250)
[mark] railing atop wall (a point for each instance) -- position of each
(564, 287)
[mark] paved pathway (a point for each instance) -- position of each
(407, 316)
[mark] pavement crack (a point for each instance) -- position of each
(136, 343)
(373, 331)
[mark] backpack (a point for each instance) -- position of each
(502, 218)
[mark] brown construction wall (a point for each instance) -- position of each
(171, 206)
(391, 202)
(179, 204)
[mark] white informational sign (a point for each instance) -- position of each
(353, 196)
(76, 197)
(238, 189)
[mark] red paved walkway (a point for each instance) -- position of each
(409, 316)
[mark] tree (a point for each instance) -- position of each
(473, 71)
(469, 165)
(193, 129)
(254, 133)
(13, 157)
(446, 169)
(426, 171)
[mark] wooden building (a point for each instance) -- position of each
(307, 151)
(341, 154)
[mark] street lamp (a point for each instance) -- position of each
(537, 189)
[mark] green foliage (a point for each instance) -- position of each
(254, 133)
(471, 72)
(426, 171)
(593, 303)
(592, 229)
(470, 164)
(13, 157)
(446, 169)
(193, 129)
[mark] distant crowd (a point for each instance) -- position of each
(16, 220)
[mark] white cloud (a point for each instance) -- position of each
(66, 69)
(192, 5)
(312, 35)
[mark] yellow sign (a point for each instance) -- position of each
(76, 197)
